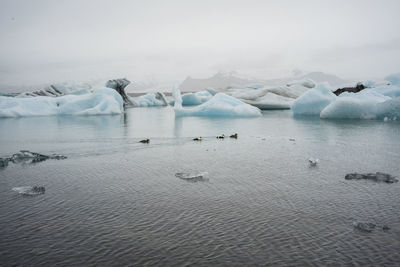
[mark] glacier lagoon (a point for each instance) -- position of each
(116, 201)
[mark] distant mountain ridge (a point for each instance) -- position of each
(223, 80)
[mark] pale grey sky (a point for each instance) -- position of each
(45, 41)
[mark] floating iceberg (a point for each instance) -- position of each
(381, 102)
(314, 101)
(149, 100)
(103, 101)
(219, 105)
(362, 105)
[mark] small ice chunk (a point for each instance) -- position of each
(377, 177)
(364, 226)
(26, 155)
(4, 162)
(30, 190)
(313, 162)
(192, 176)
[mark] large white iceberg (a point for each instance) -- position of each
(102, 102)
(372, 103)
(219, 105)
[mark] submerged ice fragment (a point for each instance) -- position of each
(30, 190)
(364, 226)
(192, 176)
(377, 177)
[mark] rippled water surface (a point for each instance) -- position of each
(115, 201)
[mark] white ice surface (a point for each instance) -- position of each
(381, 102)
(101, 102)
(220, 105)
(193, 99)
(314, 101)
(149, 100)
(271, 101)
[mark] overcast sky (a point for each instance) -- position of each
(46, 41)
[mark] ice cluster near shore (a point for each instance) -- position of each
(381, 102)
(266, 98)
(101, 102)
(220, 105)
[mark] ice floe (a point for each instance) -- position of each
(368, 227)
(376, 177)
(219, 105)
(28, 157)
(103, 101)
(364, 226)
(192, 176)
(30, 190)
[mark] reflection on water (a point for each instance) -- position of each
(115, 201)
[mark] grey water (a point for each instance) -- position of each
(115, 201)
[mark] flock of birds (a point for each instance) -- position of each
(313, 162)
(222, 136)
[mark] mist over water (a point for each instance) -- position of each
(45, 41)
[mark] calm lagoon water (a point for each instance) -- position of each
(115, 201)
